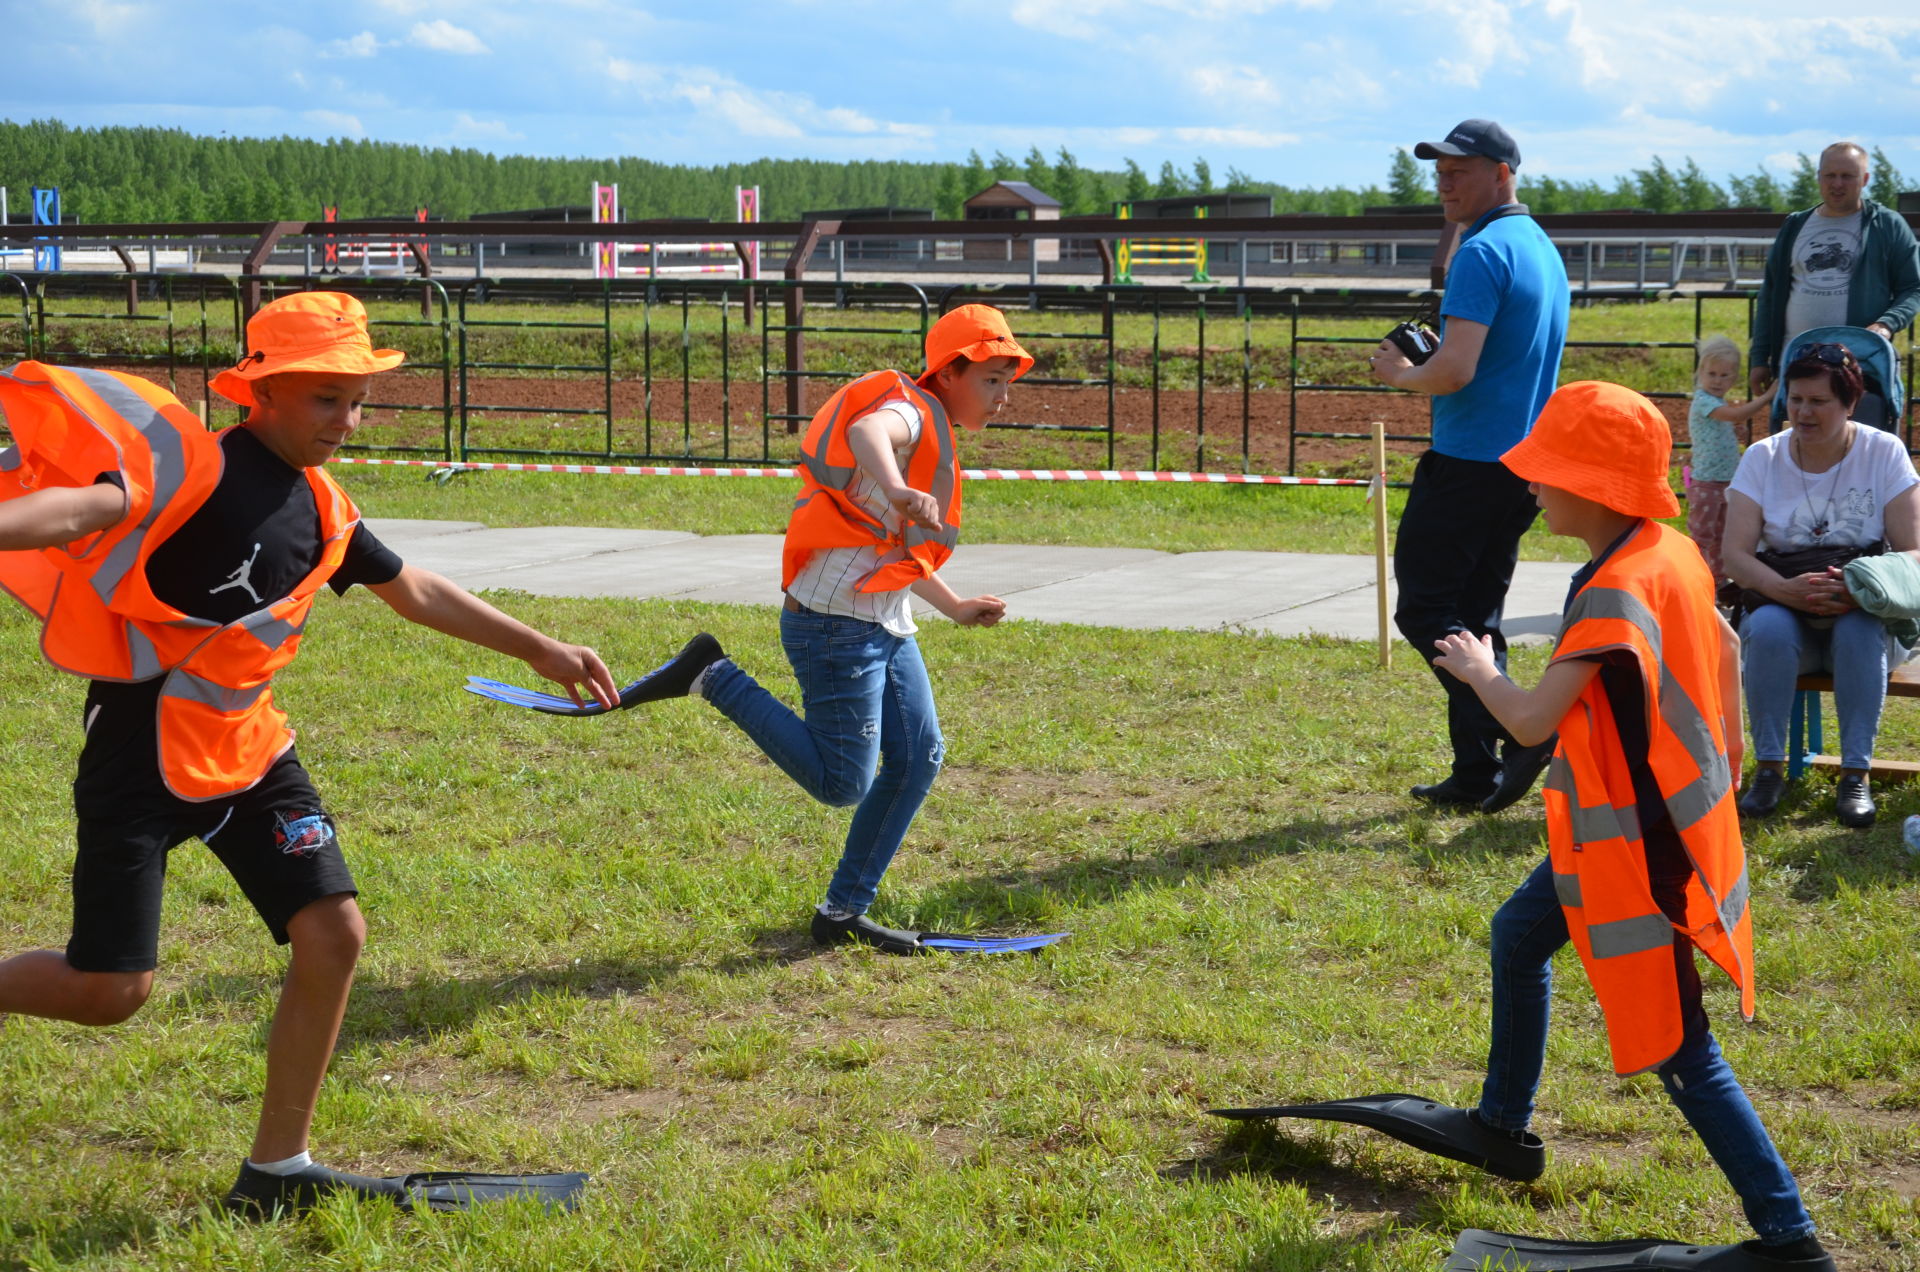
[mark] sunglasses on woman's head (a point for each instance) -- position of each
(1834, 355)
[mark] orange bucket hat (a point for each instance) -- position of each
(977, 332)
(308, 331)
(1603, 442)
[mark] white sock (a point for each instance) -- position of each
(698, 689)
(836, 914)
(287, 1166)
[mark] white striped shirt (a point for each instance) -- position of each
(829, 583)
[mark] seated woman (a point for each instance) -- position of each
(1802, 503)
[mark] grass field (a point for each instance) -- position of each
(588, 952)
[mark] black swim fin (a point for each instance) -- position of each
(1477, 1250)
(257, 1194)
(1427, 1125)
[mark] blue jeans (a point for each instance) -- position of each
(867, 701)
(1527, 931)
(1778, 645)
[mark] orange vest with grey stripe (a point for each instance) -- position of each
(823, 515)
(1652, 598)
(219, 730)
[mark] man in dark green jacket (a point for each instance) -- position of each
(1850, 262)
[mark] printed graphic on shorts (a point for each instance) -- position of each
(301, 832)
(1824, 260)
(241, 577)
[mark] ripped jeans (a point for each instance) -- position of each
(866, 702)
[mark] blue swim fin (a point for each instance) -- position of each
(989, 944)
(669, 680)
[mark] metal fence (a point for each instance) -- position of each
(639, 371)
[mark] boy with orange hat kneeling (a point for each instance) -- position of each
(1645, 860)
(175, 569)
(878, 514)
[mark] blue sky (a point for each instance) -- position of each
(1306, 92)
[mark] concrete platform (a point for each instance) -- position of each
(1283, 593)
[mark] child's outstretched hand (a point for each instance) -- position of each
(1467, 656)
(979, 611)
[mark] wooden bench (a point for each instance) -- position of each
(1804, 740)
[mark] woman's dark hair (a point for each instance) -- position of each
(1833, 363)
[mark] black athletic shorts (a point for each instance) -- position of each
(275, 839)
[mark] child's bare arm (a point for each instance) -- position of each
(1730, 725)
(977, 611)
(57, 515)
(1530, 715)
(1741, 412)
(873, 438)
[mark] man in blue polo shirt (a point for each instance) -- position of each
(1503, 325)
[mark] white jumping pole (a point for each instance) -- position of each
(1378, 494)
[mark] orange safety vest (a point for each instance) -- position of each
(823, 515)
(1653, 598)
(219, 729)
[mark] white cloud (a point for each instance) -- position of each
(336, 122)
(365, 44)
(442, 36)
(107, 19)
(467, 126)
(753, 112)
(1249, 137)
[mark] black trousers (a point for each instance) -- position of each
(1453, 560)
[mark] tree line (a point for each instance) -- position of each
(120, 174)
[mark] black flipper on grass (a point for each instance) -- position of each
(1477, 1250)
(672, 679)
(1425, 1124)
(257, 1194)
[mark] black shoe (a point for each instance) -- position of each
(1804, 1255)
(674, 678)
(1520, 768)
(1452, 793)
(1853, 801)
(258, 1195)
(865, 931)
(1763, 793)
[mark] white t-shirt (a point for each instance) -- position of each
(1847, 503)
(829, 583)
(1823, 257)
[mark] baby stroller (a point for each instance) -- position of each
(1884, 404)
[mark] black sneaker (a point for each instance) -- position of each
(1763, 793)
(1520, 768)
(1453, 793)
(1853, 801)
(258, 1195)
(864, 931)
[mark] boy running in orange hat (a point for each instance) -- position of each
(1645, 860)
(878, 514)
(175, 568)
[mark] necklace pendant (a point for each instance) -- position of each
(1820, 530)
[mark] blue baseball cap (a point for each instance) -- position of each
(1480, 137)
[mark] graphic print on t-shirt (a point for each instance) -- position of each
(1823, 258)
(241, 577)
(1842, 519)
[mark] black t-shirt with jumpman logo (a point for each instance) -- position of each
(252, 542)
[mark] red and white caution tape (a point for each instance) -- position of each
(972, 474)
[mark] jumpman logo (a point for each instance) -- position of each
(242, 577)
